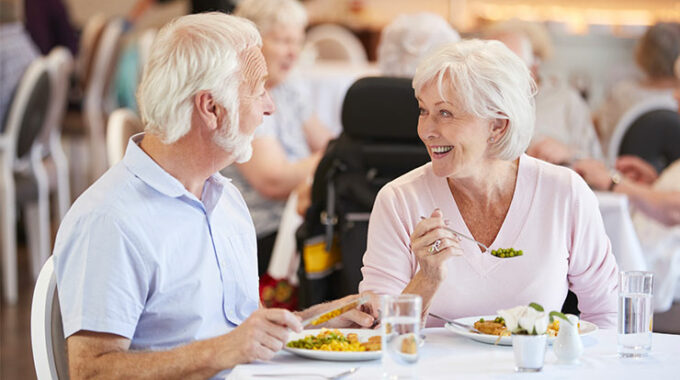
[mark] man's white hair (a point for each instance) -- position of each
(490, 82)
(410, 37)
(191, 54)
(267, 13)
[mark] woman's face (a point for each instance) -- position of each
(281, 46)
(456, 140)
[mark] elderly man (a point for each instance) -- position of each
(156, 264)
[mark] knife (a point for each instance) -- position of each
(328, 315)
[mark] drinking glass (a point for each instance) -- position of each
(635, 313)
(400, 335)
(529, 352)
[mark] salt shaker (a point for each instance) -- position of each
(568, 346)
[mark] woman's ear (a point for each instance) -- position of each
(208, 110)
(498, 128)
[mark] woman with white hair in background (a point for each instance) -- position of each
(564, 131)
(476, 120)
(407, 39)
(288, 145)
(655, 55)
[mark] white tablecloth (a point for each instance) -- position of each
(619, 227)
(449, 356)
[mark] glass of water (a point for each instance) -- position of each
(400, 320)
(635, 313)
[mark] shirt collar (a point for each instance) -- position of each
(146, 169)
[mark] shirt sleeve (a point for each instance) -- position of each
(593, 270)
(101, 278)
(389, 264)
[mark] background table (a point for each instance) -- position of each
(449, 356)
(619, 227)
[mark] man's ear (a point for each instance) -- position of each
(208, 110)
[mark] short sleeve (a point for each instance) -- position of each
(592, 267)
(388, 262)
(101, 278)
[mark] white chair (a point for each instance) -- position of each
(335, 43)
(23, 179)
(123, 124)
(47, 333)
(628, 118)
(60, 63)
(94, 112)
(144, 46)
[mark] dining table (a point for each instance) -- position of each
(447, 355)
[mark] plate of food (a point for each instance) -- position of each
(493, 329)
(335, 344)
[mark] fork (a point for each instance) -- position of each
(335, 377)
(461, 235)
(458, 324)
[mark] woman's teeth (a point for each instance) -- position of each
(441, 149)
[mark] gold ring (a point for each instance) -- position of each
(435, 246)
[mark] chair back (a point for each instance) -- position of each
(89, 41)
(628, 118)
(654, 137)
(144, 47)
(123, 124)
(103, 65)
(60, 65)
(47, 334)
(335, 43)
(28, 110)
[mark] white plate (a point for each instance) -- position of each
(335, 355)
(585, 329)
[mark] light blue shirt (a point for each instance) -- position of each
(141, 257)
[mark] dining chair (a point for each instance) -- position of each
(627, 120)
(60, 64)
(123, 124)
(655, 137)
(47, 334)
(23, 179)
(335, 43)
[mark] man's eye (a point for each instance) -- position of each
(421, 111)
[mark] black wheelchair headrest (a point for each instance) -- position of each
(381, 108)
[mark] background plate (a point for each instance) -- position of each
(585, 329)
(364, 334)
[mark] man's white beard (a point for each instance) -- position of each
(233, 141)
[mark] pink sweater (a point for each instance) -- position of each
(553, 217)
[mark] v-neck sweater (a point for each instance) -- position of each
(553, 218)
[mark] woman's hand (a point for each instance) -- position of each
(432, 256)
(636, 169)
(595, 173)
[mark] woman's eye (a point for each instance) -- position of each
(445, 113)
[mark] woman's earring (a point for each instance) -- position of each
(491, 139)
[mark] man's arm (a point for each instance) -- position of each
(101, 355)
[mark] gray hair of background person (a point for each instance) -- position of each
(410, 37)
(267, 13)
(658, 49)
(190, 54)
(538, 35)
(491, 82)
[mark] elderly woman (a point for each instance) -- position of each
(655, 54)
(407, 39)
(476, 119)
(288, 145)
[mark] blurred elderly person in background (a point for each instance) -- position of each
(288, 145)
(564, 129)
(655, 55)
(17, 51)
(155, 262)
(476, 120)
(656, 211)
(407, 39)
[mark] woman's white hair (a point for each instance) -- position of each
(410, 37)
(490, 82)
(190, 54)
(267, 13)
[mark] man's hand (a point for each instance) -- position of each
(551, 150)
(595, 173)
(259, 337)
(636, 169)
